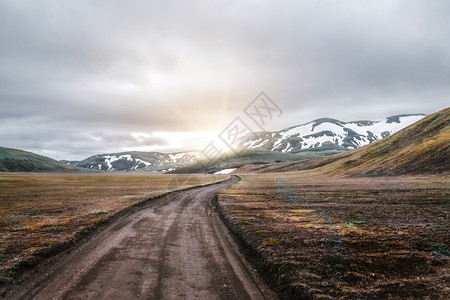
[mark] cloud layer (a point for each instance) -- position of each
(84, 77)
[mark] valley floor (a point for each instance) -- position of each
(309, 236)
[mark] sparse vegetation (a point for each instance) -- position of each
(382, 147)
(270, 242)
(349, 238)
(98, 212)
(302, 211)
(19, 229)
(55, 229)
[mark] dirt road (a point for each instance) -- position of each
(174, 248)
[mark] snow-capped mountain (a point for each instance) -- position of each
(137, 161)
(327, 133)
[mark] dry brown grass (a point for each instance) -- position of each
(348, 237)
(40, 211)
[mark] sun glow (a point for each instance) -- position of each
(174, 140)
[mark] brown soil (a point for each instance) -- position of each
(345, 238)
(174, 247)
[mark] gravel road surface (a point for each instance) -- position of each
(175, 247)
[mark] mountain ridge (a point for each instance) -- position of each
(327, 133)
(137, 161)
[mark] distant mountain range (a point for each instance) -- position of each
(319, 134)
(327, 133)
(317, 138)
(136, 161)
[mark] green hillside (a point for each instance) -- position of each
(14, 160)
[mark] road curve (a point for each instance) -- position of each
(174, 248)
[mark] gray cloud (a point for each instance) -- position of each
(80, 68)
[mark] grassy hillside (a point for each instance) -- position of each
(14, 160)
(422, 148)
(251, 157)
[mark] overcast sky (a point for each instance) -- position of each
(78, 78)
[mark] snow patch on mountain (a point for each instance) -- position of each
(225, 171)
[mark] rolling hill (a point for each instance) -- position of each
(252, 157)
(421, 148)
(14, 160)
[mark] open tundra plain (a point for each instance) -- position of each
(316, 237)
